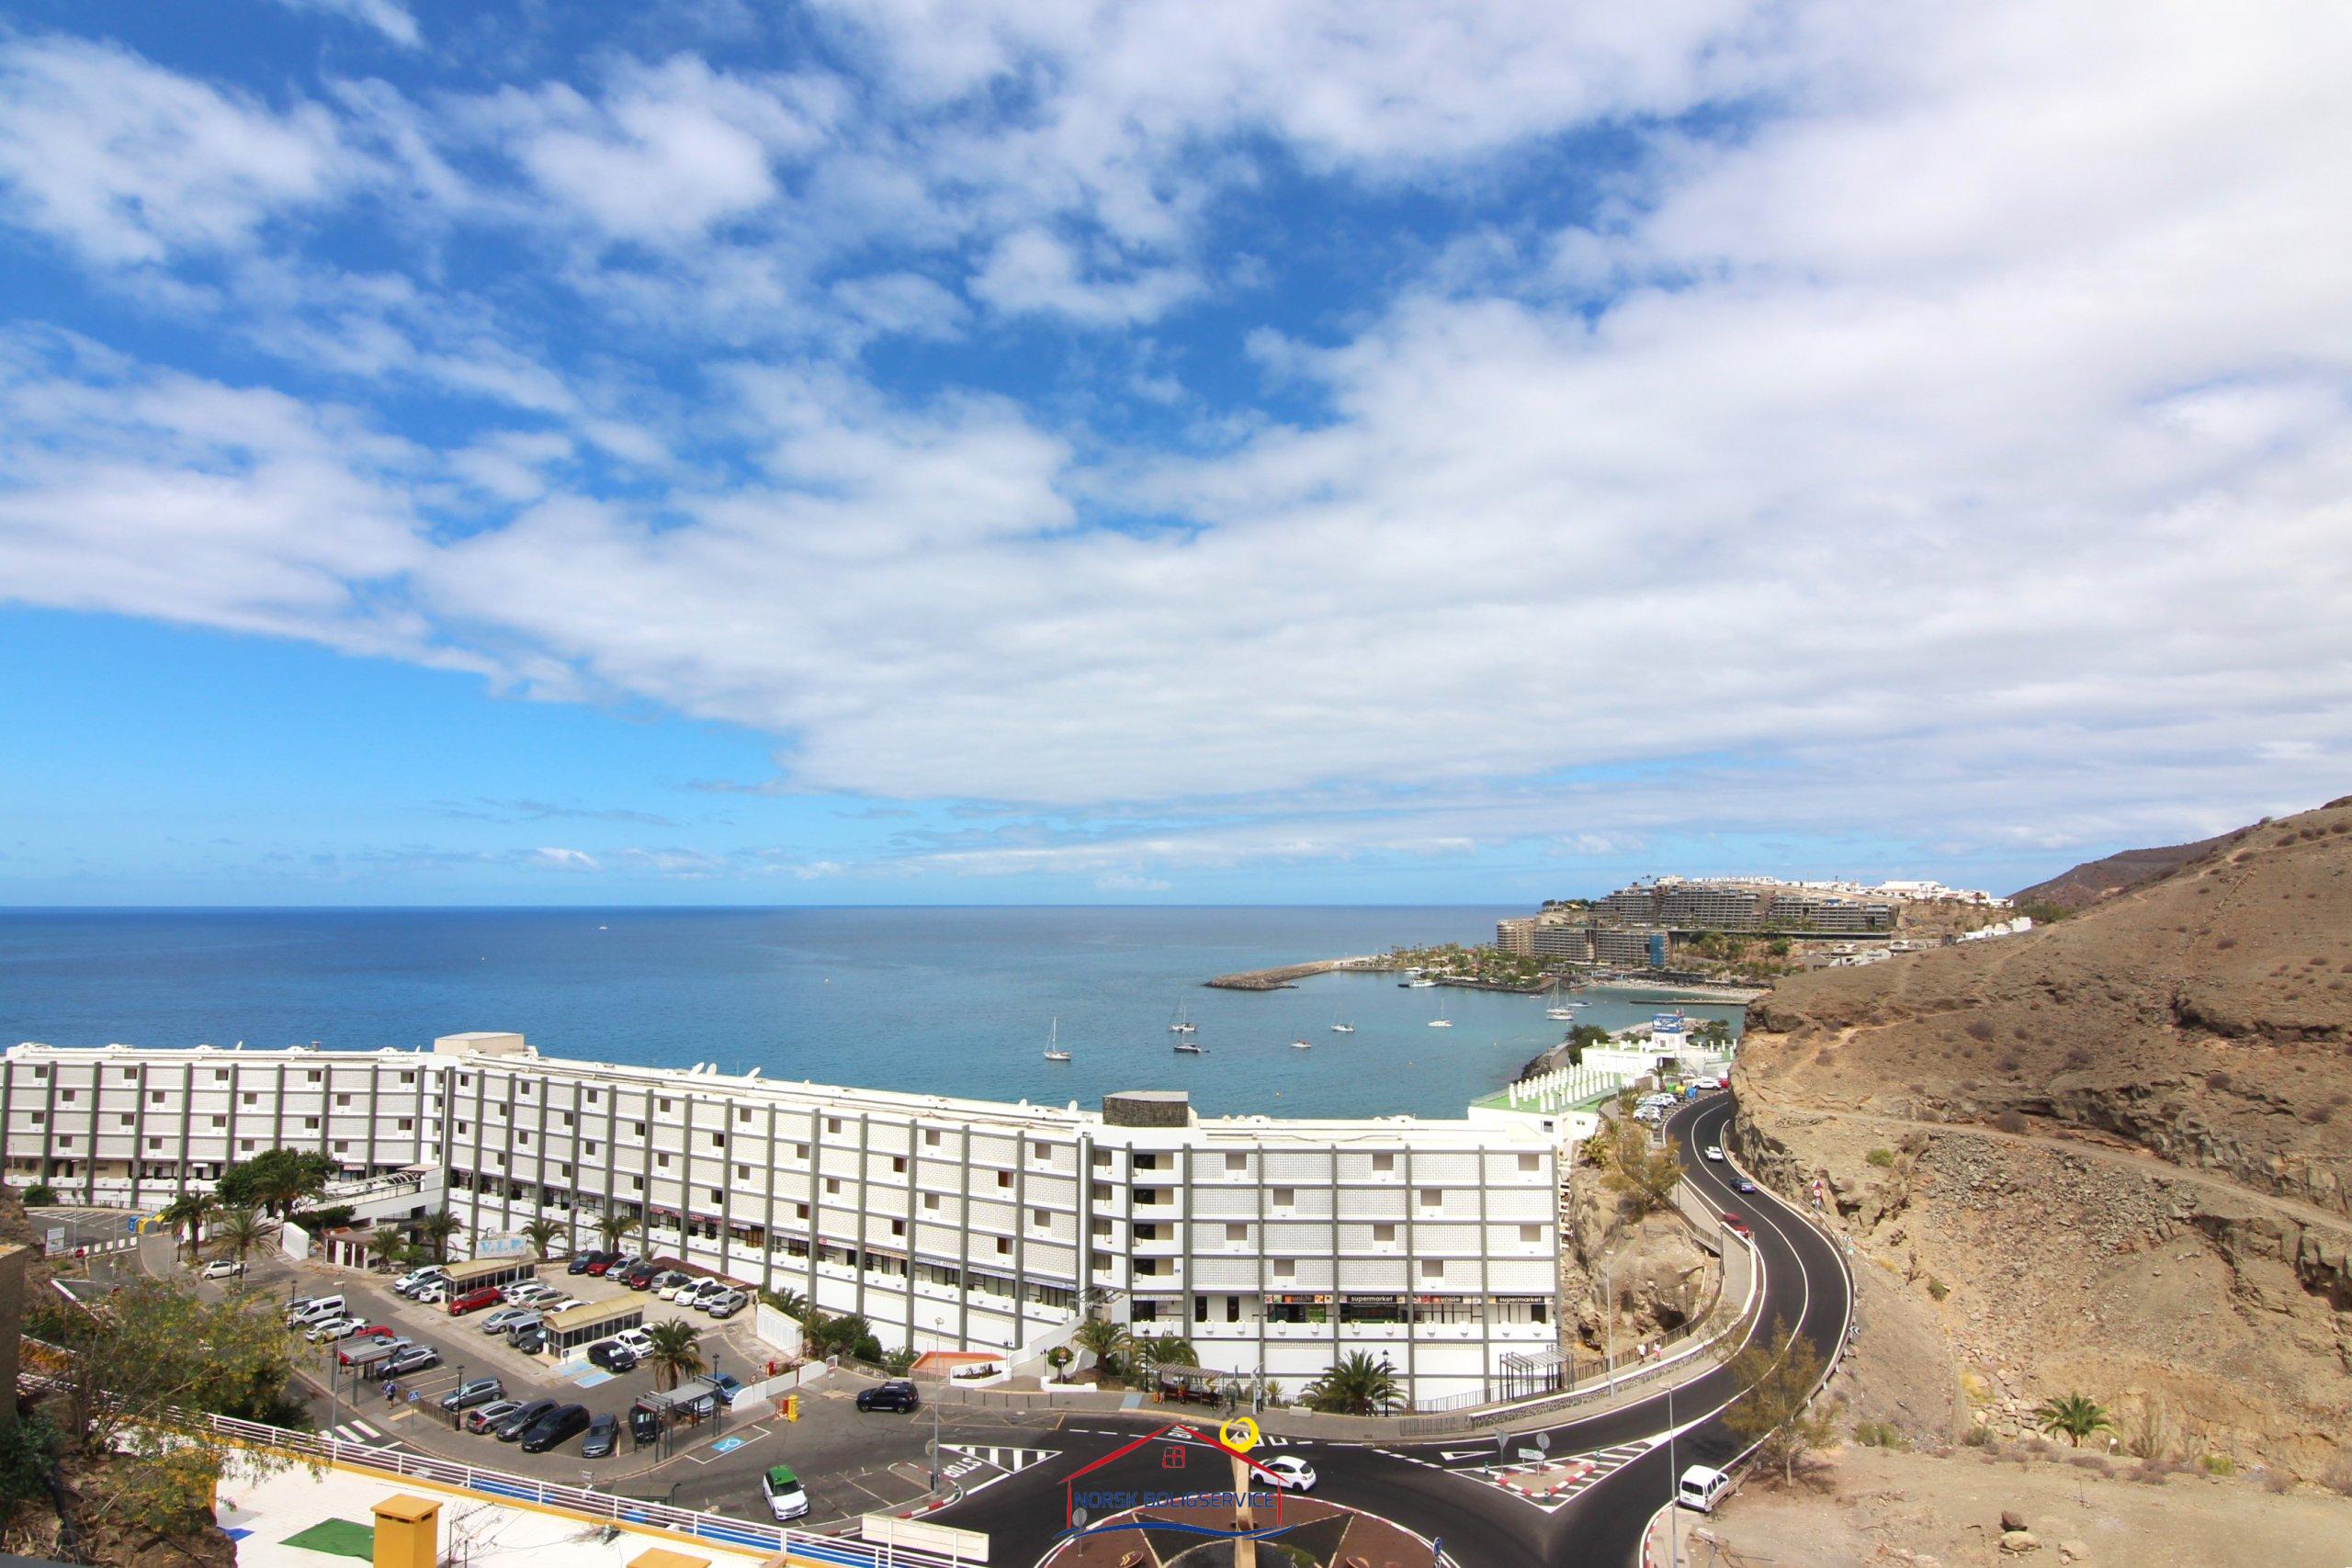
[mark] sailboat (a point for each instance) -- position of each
(1440, 1021)
(1190, 1049)
(1054, 1053)
(1339, 1028)
(1302, 1045)
(1182, 1025)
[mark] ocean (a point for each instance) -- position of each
(953, 1001)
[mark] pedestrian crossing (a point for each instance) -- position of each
(1553, 1484)
(1011, 1460)
(357, 1432)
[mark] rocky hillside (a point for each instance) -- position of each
(2094, 880)
(2114, 1154)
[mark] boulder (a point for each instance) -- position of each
(2017, 1543)
(2011, 1519)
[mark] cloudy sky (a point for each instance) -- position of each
(915, 450)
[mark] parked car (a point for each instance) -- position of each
(1290, 1473)
(672, 1286)
(555, 1428)
(473, 1391)
(529, 1322)
(547, 1306)
(475, 1300)
(513, 1427)
(496, 1322)
(371, 1331)
(612, 1263)
(729, 1304)
(491, 1414)
(895, 1395)
(581, 1261)
(709, 1291)
(433, 1292)
(336, 1328)
(415, 1359)
(1714, 1152)
(787, 1499)
(641, 1343)
(728, 1384)
(603, 1437)
(359, 1352)
(613, 1356)
(531, 1340)
(220, 1268)
(641, 1278)
(416, 1278)
(306, 1310)
(1701, 1488)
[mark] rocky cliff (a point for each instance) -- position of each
(2112, 1155)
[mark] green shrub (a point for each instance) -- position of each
(40, 1195)
(1937, 1288)
(2217, 1464)
(1878, 1435)
(1883, 1158)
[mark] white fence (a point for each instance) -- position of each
(1563, 1087)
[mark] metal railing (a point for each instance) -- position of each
(744, 1535)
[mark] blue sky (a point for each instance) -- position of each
(704, 452)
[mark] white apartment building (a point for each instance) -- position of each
(1275, 1246)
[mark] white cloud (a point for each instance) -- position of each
(564, 860)
(131, 163)
(1030, 271)
(387, 17)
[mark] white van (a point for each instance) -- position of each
(318, 1309)
(1702, 1488)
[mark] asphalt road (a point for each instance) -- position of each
(1433, 1488)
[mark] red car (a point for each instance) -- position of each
(1736, 1225)
(473, 1300)
(373, 1331)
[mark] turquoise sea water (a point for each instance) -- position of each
(940, 1001)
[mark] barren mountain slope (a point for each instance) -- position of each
(2086, 884)
(2116, 1153)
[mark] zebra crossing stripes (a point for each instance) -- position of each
(1586, 1472)
(1009, 1460)
(357, 1432)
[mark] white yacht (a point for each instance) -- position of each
(1302, 1045)
(1053, 1052)
(1182, 1025)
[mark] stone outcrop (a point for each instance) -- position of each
(2114, 1154)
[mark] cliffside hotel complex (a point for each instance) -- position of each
(1274, 1246)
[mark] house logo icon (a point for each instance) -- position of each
(1099, 1509)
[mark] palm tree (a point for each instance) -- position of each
(790, 1302)
(1106, 1341)
(1355, 1385)
(1152, 1351)
(280, 1192)
(187, 1215)
(437, 1228)
(238, 1230)
(2076, 1415)
(613, 1227)
(384, 1247)
(674, 1355)
(542, 1232)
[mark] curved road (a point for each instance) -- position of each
(1804, 1282)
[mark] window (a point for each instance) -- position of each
(342, 1100)
(131, 1075)
(1236, 1163)
(662, 1162)
(591, 1148)
(897, 1164)
(1284, 1197)
(154, 1143)
(898, 1227)
(250, 1098)
(1004, 1179)
(1147, 1232)
(220, 1075)
(718, 1140)
(1432, 1267)
(408, 1124)
(742, 1113)
(832, 1124)
(340, 1147)
(1040, 1220)
(665, 1108)
(930, 1137)
(832, 1187)
(800, 1151)
(717, 1197)
(1529, 1164)
(637, 1184)
(1002, 1247)
(931, 1202)
(1384, 1164)
(522, 1140)
(311, 1123)
(122, 1120)
(743, 1173)
(1530, 1235)
(1384, 1236)
(1286, 1268)
(67, 1096)
(216, 1121)
(316, 1075)
(1235, 1235)
(800, 1211)
(155, 1096)
(1432, 1198)
(640, 1129)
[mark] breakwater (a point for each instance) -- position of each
(1287, 975)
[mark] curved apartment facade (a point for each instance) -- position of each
(1275, 1246)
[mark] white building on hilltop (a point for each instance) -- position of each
(1275, 1246)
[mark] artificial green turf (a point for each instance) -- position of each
(337, 1537)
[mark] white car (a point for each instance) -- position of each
(1290, 1473)
(681, 1291)
(336, 1328)
(639, 1343)
(550, 1306)
(221, 1268)
(703, 1295)
(1713, 1153)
